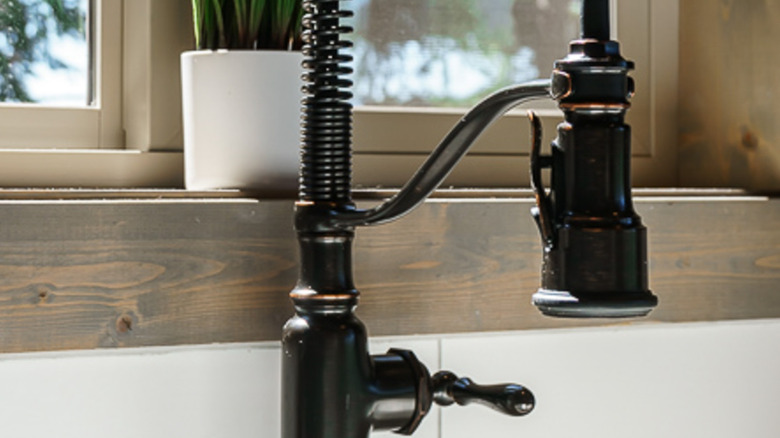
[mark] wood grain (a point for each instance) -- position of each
(88, 274)
(730, 94)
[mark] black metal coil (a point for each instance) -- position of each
(326, 156)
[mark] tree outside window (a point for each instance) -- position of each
(454, 52)
(43, 51)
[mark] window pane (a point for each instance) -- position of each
(44, 55)
(454, 52)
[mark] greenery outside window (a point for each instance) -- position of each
(386, 155)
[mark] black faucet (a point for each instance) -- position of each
(331, 386)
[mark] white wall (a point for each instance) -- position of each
(685, 380)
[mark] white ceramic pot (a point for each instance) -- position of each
(241, 114)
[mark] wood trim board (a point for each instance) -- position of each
(105, 273)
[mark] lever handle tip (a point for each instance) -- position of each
(510, 399)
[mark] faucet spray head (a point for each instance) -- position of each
(595, 245)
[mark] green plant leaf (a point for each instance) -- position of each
(240, 9)
(256, 13)
(208, 20)
(197, 22)
(282, 18)
(297, 26)
(220, 22)
(247, 24)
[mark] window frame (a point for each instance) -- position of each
(138, 117)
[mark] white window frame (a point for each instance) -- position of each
(133, 136)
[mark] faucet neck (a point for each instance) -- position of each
(595, 20)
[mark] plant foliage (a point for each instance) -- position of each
(247, 24)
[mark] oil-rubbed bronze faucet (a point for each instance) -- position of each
(331, 386)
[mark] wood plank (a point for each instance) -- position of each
(87, 274)
(730, 97)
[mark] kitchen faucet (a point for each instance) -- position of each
(594, 260)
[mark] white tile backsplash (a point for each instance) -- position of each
(684, 380)
(183, 392)
(195, 392)
(688, 380)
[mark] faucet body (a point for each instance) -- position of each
(595, 245)
(332, 387)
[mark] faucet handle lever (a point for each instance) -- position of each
(510, 399)
(542, 212)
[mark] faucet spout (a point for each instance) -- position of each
(447, 154)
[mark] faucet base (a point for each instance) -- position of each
(619, 304)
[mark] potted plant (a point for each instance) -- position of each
(241, 93)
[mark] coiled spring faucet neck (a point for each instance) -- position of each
(326, 156)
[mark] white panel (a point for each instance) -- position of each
(713, 380)
(690, 380)
(194, 393)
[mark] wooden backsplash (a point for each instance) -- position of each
(110, 273)
(730, 94)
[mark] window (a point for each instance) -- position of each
(62, 122)
(131, 135)
(44, 52)
(46, 145)
(452, 53)
(386, 155)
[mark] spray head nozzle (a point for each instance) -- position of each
(595, 245)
